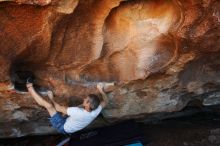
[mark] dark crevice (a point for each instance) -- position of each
(19, 79)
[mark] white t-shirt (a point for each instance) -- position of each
(79, 118)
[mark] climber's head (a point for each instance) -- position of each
(91, 102)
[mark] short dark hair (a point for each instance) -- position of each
(94, 101)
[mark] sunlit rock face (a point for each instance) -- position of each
(161, 55)
(136, 42)
(32, 2)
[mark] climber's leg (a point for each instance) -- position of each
(50, 108)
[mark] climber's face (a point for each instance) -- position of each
(86, 104)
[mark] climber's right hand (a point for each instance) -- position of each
(100, 86)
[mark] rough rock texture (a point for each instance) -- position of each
(32, 2)
(162, 55)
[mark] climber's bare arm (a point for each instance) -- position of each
(104, 96)
(59, 108)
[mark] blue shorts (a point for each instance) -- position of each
(57, 122)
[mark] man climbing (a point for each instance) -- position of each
(78, 117)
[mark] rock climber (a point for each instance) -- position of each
(77, 117)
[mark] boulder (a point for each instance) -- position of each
(162, 56)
